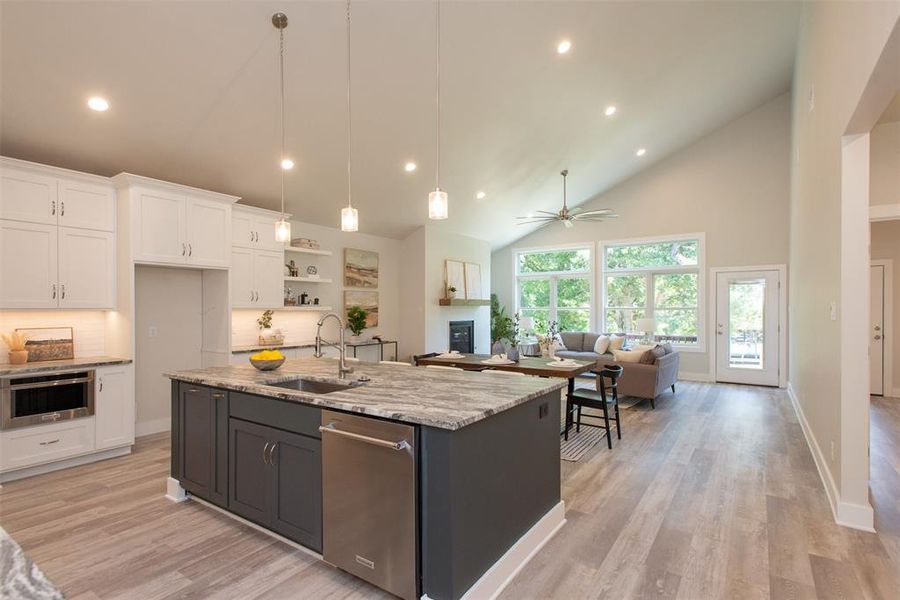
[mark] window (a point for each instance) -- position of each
(654, 279)
(555, 285)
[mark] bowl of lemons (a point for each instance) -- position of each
(267, 360)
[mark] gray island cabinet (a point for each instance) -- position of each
(484, 487)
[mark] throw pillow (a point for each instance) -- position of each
(652, 355)
(628, 356)
(602, 344)
(668, 348)
(616, 342)
(560, 344)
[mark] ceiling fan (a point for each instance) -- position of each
(567, 216)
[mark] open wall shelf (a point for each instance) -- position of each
(307, 251)
(463, 302)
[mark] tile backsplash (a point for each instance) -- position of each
(298, 326)
(89, 327)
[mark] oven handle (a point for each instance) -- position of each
(330, 428)
(42, 384)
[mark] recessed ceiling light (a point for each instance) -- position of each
(641, 152)
(480, 195)
(99, 104)
(287, 164)
(610, 110)
(409, 167)
(564, 46)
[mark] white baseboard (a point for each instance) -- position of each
(701, 377)
(151, 427)
(514, 560)
(64, 464)
(174, 491)
(845, 513)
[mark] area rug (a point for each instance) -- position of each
(19, 576)
(579, 443)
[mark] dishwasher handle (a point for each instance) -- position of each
(401, 445)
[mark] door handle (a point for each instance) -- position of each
(877, 328)
(401, 445)
(53, 207)
(62, 291)
(183, 249)
(265, 453)
(272, 453)
(190, 250)
(53, 287)
(62, 209)
(877, 337)
(50, 442)
(101, 385)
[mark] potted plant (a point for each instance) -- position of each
(549, 343)
(356, 322)
(15, 341)
(513, 352)
(501, 326)
(267, 335)
(451, 292)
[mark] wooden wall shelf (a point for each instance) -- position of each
(463, 302)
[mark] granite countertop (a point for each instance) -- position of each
(432, 397)
(49, 366)
(256, 347)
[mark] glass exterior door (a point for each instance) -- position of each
(747, 327)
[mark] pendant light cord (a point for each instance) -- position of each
(281, 36)
(349, 113)
(437, 170)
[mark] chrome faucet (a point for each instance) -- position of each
(343, 369)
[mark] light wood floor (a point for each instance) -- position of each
(712, 495)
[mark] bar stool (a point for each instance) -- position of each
(602, 398)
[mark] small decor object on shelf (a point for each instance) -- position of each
(360, 268)
(267, 360)
(293, 270)
(15, 341)
(289, 298)
(312, 272)
(305, 243)
(316, 301)
(451, 292)
(356, 322)
(304, 299)
(49, 343)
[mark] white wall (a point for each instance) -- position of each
(838, 48)
(733, 185)
(885, 242)
(425, 322)
(88, 328)
(884, 182)
(169, 300)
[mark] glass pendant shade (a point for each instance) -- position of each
(349, 219)
(438, 204)
(282, 231)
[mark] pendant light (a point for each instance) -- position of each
(282, 226)
(438, 203)
(349, 215)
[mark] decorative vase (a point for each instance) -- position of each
(513, 353)
(451, 295)
(498, 348)
(551, 350)
(355, 339)
(18, 357)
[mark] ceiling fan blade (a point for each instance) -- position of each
(600, 211)
(533, 221)
(595, 217)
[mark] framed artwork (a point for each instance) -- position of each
(368, 301)
(455, 275)
(49, 343)
(360, 268)
(473, 282)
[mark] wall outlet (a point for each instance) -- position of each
(832, 450)
(153, 331)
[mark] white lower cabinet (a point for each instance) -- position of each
(31, 446)
(114, 406)
(257, 278)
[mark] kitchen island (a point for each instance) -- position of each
(428, 483)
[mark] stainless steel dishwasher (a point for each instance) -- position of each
(369, 500)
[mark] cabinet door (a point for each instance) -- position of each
(196, 439)
(158, 225)
(248, 470)
(296, 497)
(242, 234)
(208, 233)
(241, 274)
(86, 205)
(87, 268)
(268, 278)
(114, 407)
(28, 267)
(27, 196)
(265, 234)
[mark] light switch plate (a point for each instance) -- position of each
(833, 310)
(153, 332)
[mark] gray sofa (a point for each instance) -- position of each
(639, 380)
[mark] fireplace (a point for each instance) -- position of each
(462, 336)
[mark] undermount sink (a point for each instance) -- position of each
(313, 387)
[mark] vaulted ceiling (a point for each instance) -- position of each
(193, 94)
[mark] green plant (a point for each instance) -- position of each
(451, 289)
(265, 321)
(356, 319)
(501, 324)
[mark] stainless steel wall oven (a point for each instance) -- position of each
(36, 399)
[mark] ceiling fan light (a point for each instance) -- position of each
(349, 219)
(438, 205)
(282, 230)
(569, 223)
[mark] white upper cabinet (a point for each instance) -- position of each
(243, 294)
(27, 195)
(28, 271)
(177, 225)
(208, 232)
(254, 228)
(86, 205)
(85, 277)
(268, 275)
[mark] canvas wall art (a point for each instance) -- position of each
(49, 343)
(360, 268)
(368, 301)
